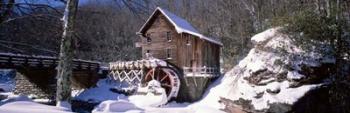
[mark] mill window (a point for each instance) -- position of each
(168, 36)
(188, 40)
(148, 54)
(148, 36)
(168, 53)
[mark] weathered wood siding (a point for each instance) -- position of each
(186, 50)
(159, 44)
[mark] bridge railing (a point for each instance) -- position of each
(201, 71)
(15, 60)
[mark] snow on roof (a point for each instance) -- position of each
(181, 25)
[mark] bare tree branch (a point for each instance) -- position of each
(28, 45)
(8, 8)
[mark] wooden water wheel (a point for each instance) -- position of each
(168, 79)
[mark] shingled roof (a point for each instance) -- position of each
(180, 24)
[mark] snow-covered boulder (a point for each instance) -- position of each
(265, 36)
(154, 96)
(103, 89)
(86, 99)
(115, 106)
(276, 72)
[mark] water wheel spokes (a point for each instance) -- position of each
(163, 78)
(166, 79)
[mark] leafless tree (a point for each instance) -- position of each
(65, 65)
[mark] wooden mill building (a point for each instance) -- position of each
(168, 37)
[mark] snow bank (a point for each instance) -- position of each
(213, 94)
(98, 94)
(10, 97)
(63, 105)
(30, 107)
(155, 96)
(123, 106)
(150, 99)
(207, 109)
(116, 106)
(22, 104)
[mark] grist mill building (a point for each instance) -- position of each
(191, 59)
(168, 37)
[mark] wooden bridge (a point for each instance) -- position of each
(16, 61)
(36, 75)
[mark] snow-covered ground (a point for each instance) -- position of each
(30, 107)
(22, 104)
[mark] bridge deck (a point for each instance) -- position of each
(9, 60)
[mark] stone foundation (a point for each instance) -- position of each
(42, 83)
(192, 88)
(36, 84)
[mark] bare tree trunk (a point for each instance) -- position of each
(65, 65)
(328, 8)
(7, 8)
(171, 5)
(317, 9)
(186, 8)
(252, 12)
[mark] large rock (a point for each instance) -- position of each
(275, 74)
